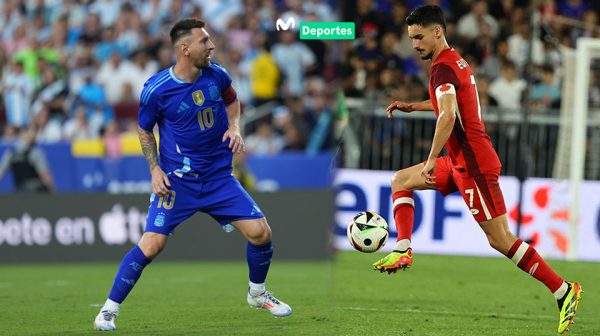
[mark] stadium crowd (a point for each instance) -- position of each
(74, 69)
(491, 35)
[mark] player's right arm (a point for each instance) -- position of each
(409, 107)
(160, 181)
(148, 116)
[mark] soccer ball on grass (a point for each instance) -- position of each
(367, 232)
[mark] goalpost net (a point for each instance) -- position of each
(578, 152)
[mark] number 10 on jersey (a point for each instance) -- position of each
(206, 118)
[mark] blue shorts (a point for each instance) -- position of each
(224, 199)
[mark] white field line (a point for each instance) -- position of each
(452, 313)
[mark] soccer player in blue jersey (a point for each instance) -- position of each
(197, 113)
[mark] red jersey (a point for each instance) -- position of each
(469, 147)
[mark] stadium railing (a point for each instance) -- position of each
(372, 141)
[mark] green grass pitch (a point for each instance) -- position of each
(440, 295)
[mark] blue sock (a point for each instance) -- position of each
(259, 260)
(128, 274)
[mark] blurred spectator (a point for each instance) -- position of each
(128, 29)
(320, 9)
(492, 64)
(9, 135)
(469, 26)
(17, 42)
(265, 141)
(115, 77)
(92, 98)
(294, 138)
(518, 47)
(321, 133)
(109, 45)
(354, 76)
(92, 29)
(78, 127)
(368, 46)
(28, 165)
(112, 140)
(367, 14)
(482, 47)
(52, 94)
(388, 57)
(573, 8)
(264, 73)
(17, 89)
(239, 76)
(507, 90)
(483, 91)
(294, 59)
(49, 127)
(546, 94)
(145, 67)
(11, 17)
(107, 11)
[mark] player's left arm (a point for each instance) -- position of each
(446, 98)
(233, 133)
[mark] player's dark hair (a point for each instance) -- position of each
(183, 28)
(426, 16)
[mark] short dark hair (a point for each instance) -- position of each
(183, 27)
(426, 16)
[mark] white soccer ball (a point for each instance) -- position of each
(367, 232)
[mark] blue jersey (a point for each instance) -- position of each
(192, 120)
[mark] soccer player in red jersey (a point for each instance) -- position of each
(471, 166)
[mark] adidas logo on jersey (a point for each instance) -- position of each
(255, 211)
(182, 107)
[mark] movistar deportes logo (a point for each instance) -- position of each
(280, 25)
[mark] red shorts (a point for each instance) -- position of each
(481, 193)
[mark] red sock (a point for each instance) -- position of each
(404, 213)
(527, 259)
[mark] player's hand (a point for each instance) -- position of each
(160, 182)
(428, 170)
(398, 105)
(236, 143)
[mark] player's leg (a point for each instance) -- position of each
(259, 252)
(228, 203)
(164, 214)
(484, 198)
(403, 183)
(127, 276)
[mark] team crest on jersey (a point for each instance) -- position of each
(213, 91)
(160, 219)
(198, 97)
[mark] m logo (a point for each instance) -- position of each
(280, 25)
(198, 97)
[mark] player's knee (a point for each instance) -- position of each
(499, 243)
(260, 236)
(400, 180)
(151, 250)
(151, 247)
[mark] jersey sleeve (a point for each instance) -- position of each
(148, 113)
(222, 76)
(443, 74)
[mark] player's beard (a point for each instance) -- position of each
(426, 57)
(202, 62)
